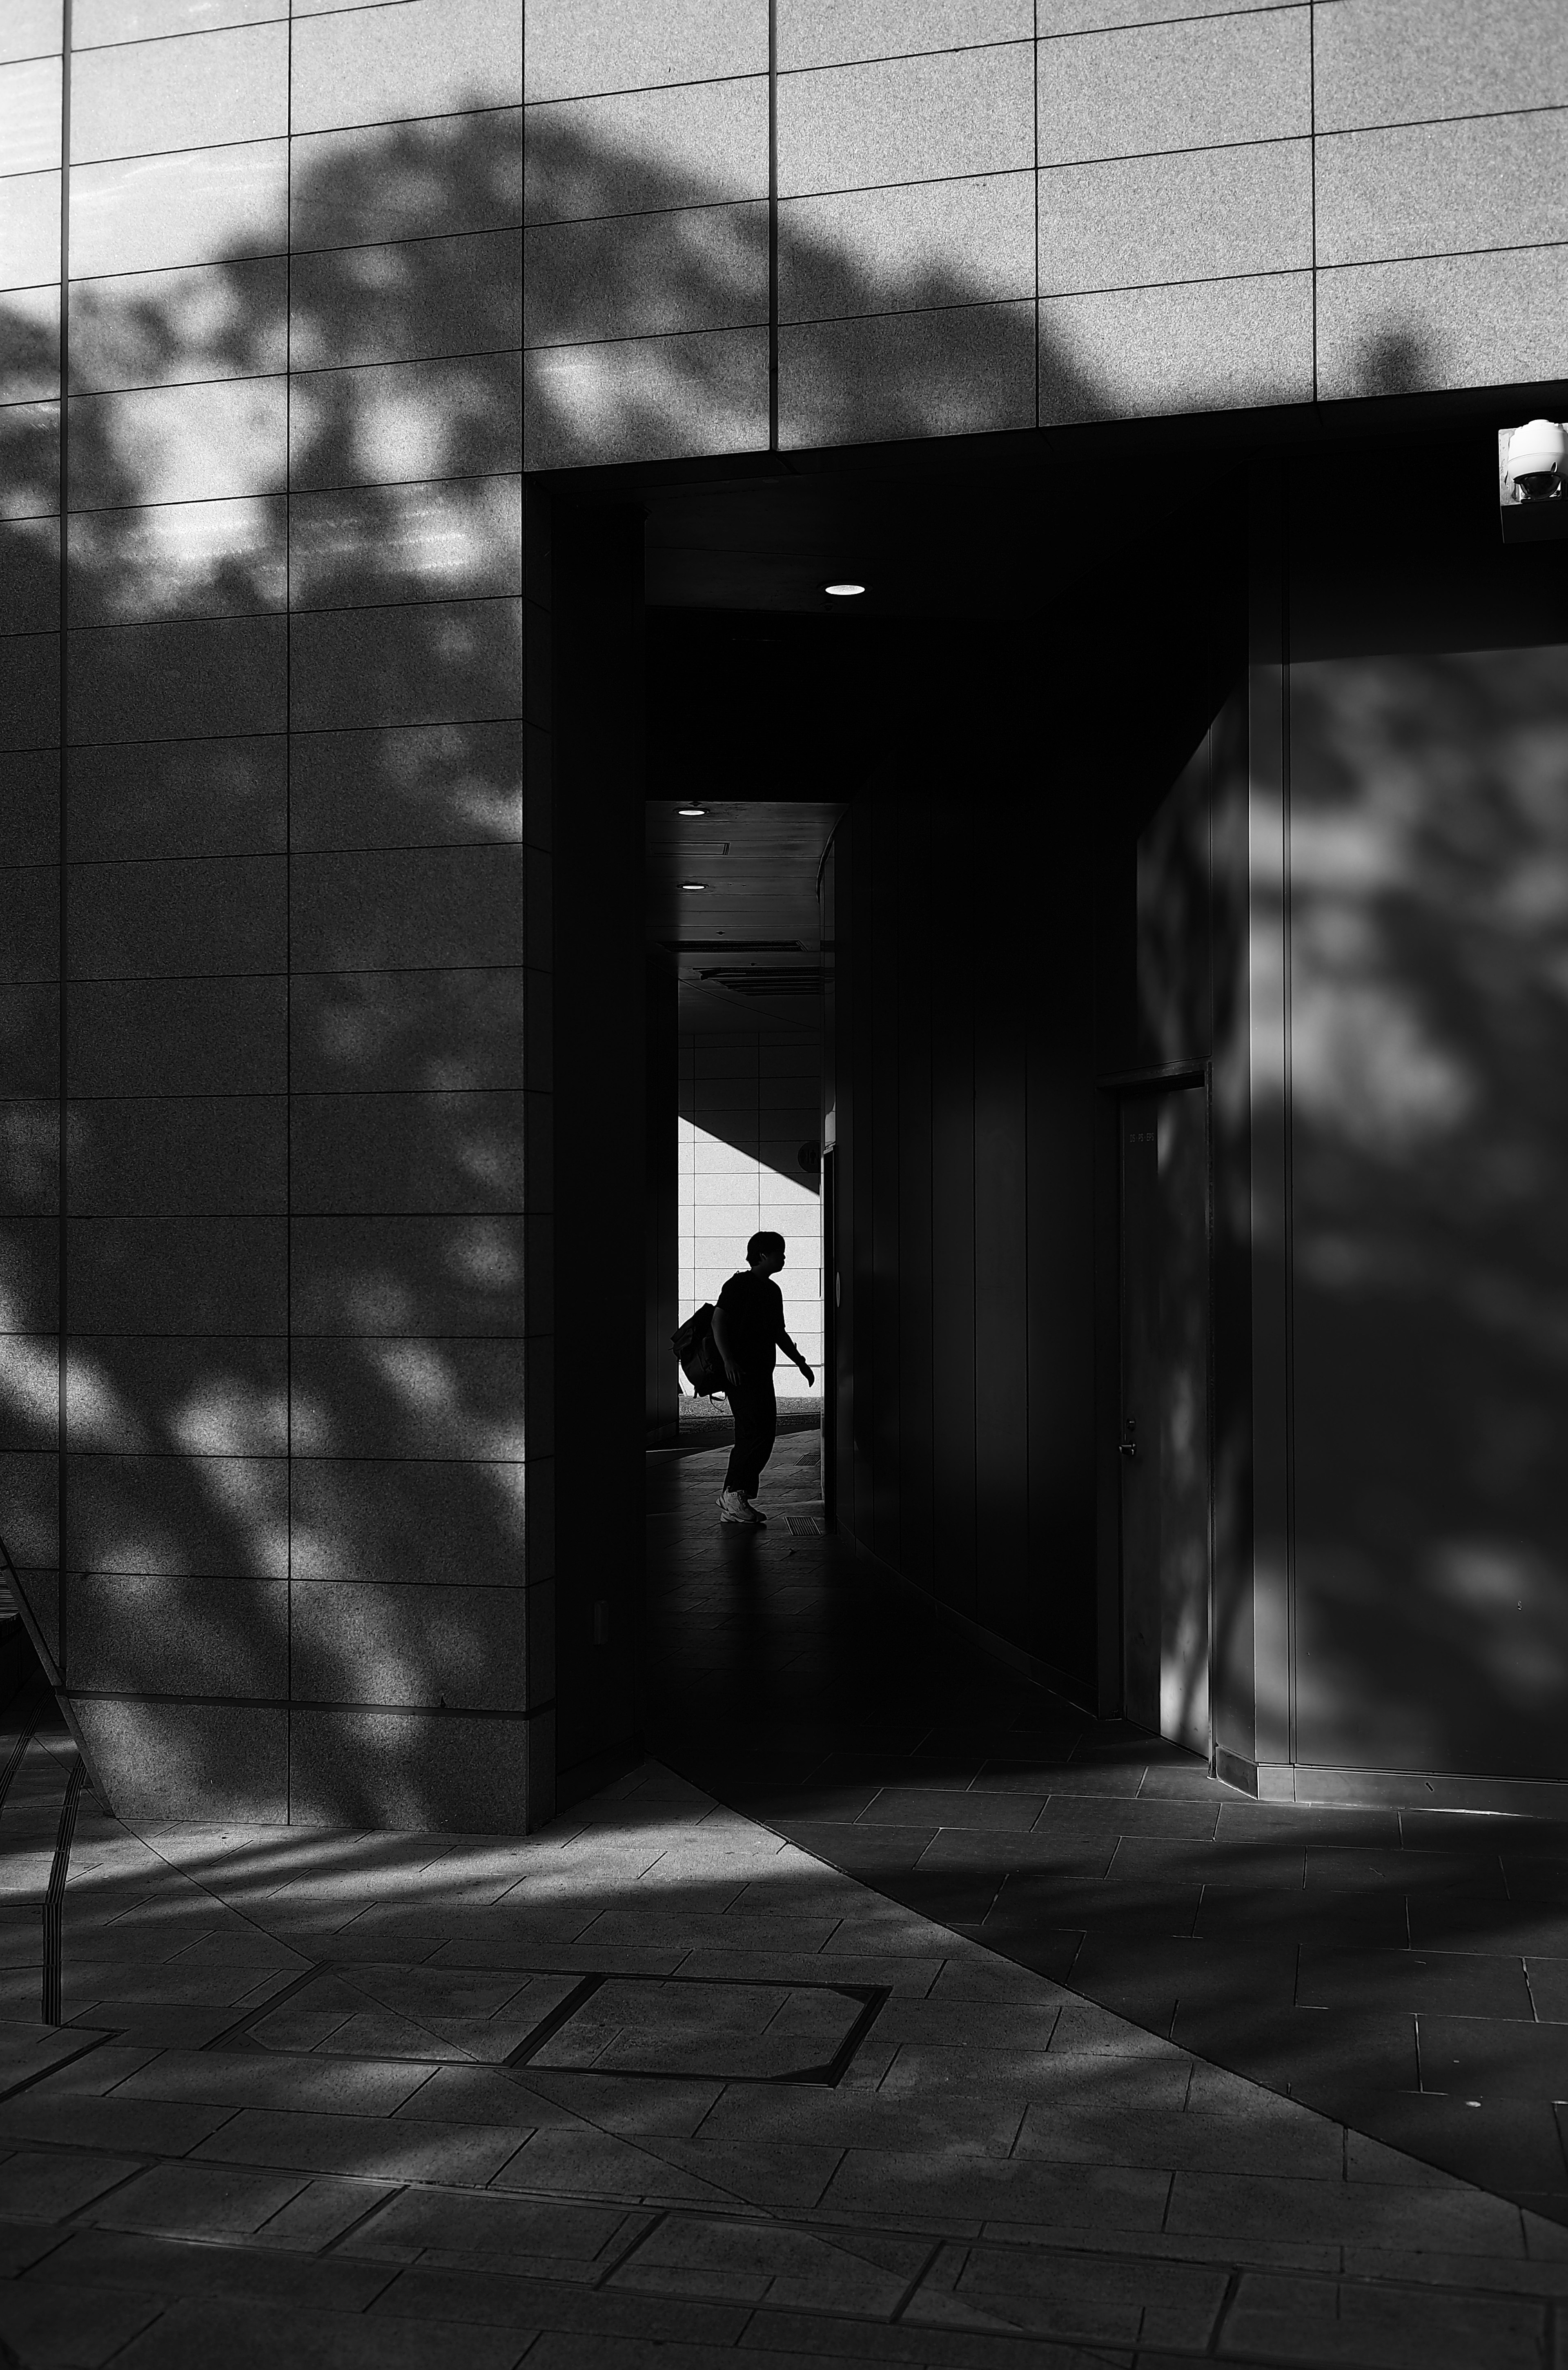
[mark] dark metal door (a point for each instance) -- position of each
(1164, 1447)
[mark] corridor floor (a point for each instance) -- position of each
(656, 2086)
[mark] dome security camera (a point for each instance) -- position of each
(1532, 481)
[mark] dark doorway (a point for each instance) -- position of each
(1166, 1560)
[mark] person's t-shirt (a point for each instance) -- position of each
(754, 1317)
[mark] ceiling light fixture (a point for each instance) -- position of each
(691, 810)
(693, 884)
(843, 591)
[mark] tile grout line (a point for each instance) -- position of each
(62, 1592)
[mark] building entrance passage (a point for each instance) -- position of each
(1164, 1446)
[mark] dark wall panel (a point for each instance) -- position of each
(1429, 1056)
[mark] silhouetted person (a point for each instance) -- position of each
(748, 1325)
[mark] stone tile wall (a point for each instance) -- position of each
(748, 1104)
(264, 1005)
(977, 214)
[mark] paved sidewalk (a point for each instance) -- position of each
(1405, 1972)
(652, 2087)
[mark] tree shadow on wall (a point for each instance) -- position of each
(295, 1015)
(648, 330)
(1429, 971)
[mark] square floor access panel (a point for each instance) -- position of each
(653, 2026)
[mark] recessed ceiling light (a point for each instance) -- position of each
(843, 591)
(691, 810)
(693, 884)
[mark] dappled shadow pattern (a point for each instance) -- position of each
(649, 328)
(1429, 1113)
(343, 560)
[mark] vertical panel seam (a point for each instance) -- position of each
(773, 225)
(1035, 102)
(1288, 1214)
(1312, 173)
(288, 928)
(62, 1612)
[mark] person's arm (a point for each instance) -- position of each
(788, 1348)
(724, 1342)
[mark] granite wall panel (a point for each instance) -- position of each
(179, 325)
(30, 228)
(1196, 84)
(906, 250)
(645, 152)
(1207, 213)
(411, 1769)
(29, 690)
(699, 268)
(1053, 18)
(1211, 345)
(95, 23)
(1413, 61)
(191, 679)
(1439, 188)
(174, 798)
(29, 345)
(30, 114)
(31, 29)
(646, 399)
(202, 1036)
(382, 424)
(906, 120)
(180, 444)
(367, 184)
(30, 450)
(179, 92)
(180, 1515)
(423, 58)
(638, 44)
(145, 1631)
(186, 560)
(29, 576)
(845, 32)
(142, 214)
(297, 907)
(407, 1152)
(952, 373)
(417, 1645)
(1458, 320)
(415, 786)
(403, 302)
(29, 808)
(232, 1758)
(190, 1155)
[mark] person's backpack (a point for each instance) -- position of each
(694, 1345)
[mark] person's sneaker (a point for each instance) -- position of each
(734, 1508)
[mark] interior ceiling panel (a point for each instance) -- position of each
(1004, 542)
(745, 943)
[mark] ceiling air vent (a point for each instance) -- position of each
(807, 981)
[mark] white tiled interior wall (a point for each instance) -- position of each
(747, 1105)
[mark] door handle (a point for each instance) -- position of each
(1129, 1446)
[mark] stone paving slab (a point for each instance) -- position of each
(1007, 2174)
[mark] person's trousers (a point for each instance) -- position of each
(756, 1412)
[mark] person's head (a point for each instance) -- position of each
(766, 1253)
